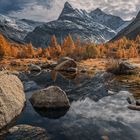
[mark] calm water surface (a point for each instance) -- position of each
(86, 119)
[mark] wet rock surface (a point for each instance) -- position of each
(26, 132)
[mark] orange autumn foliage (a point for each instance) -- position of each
(123, 48)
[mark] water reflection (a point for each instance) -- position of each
(89, 120)
(52, 113)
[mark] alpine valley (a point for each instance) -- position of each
(95, 26)
(72, 74)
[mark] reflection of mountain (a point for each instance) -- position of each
(131, 31)
(15, 29)
(94, 27)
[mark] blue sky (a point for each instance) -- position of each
(47, 10)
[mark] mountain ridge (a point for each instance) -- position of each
(131, 31)
(16, 29)
(74, 22)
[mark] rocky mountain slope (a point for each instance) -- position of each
(16, 29)
(111, 21)
(131, 31)
(77, 23)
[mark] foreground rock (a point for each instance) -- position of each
(50, 98)
(12, 98)
(67, 65)
(26, 132)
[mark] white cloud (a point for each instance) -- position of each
(126, 9)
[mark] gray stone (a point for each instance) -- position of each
(26, 132)
(12, 98)
(52, 97)
(66, 65)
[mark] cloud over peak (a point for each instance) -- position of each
(47, 10)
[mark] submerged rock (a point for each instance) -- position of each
(50, 98)
(26, 132)
(12, 98)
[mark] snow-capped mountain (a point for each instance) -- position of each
(111, 21)
(71, 21)
(16, 29)
(131, 31)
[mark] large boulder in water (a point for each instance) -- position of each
(12, 98)
(66, 65)
(26, 132)
(50, 98)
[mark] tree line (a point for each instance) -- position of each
(123, 48)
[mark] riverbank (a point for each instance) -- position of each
(90, 64)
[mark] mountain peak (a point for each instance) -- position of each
(98, 10)
(66, 10)
(67, 5)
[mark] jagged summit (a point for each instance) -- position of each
(66, 10)
(97, 10)
(67, 5)
(73, 14)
